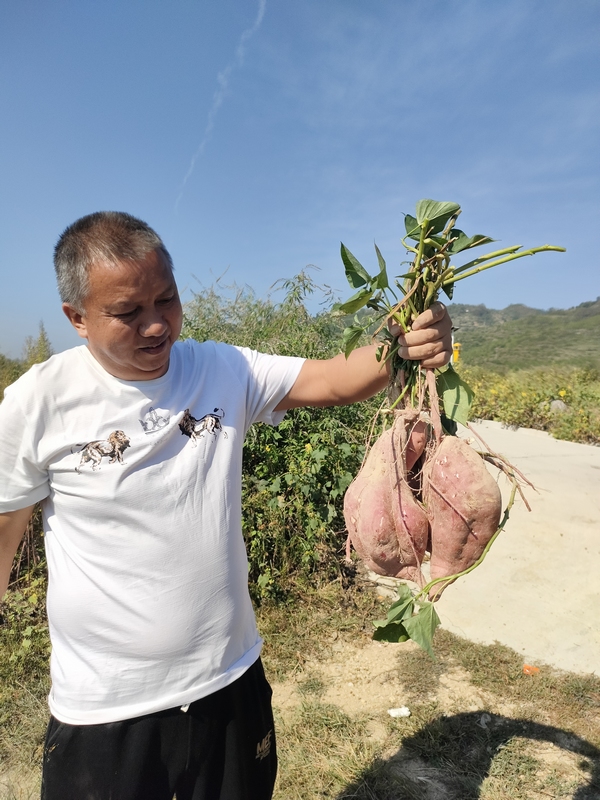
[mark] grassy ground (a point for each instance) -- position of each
(479, 727)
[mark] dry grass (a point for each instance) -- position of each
(23, 721)
(479, 730)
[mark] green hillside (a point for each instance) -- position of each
(519, 337)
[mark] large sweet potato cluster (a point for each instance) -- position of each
(418, 493)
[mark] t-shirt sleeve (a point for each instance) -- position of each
(23, 481)
(270, 379)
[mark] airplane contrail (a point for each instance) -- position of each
(219, 96)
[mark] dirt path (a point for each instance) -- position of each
(364, 683)
(538, 590)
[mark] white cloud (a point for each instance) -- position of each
(223, 80)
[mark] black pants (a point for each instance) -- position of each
(221, 748)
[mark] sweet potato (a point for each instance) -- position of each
(417, 436)
(386, 524)
(463, 504)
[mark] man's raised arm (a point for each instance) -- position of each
(12, 528)
(339, 381)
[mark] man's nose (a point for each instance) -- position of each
(152, 324)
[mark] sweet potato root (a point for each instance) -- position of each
(464, 506)
(386, 524)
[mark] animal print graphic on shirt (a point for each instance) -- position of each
(196, 428)
(111, 448)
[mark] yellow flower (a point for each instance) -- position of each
(523, 394)
(308, 447)
(267, 447)
(562, 393)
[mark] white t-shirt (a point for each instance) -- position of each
(148, 602)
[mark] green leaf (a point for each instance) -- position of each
(421, 627)
(436, 213)
(394, 632)
(358, 300)
(448, 289)
(463, 242)
(356, 274)
(413, 229)
(449, 425)
(457, 396)
(381, 281)
(263, 580)
(404, 593)
(351, 338)
(376, 305)
(401, 610)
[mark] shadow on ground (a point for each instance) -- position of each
(467, 748)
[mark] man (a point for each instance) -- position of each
(133, 444)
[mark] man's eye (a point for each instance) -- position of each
(166, 300)
(126, 314)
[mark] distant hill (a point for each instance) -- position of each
(519, 337)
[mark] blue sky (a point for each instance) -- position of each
(254, 136)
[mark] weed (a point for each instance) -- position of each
(324, 751)
(311, 685)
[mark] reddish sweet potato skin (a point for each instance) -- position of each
(464, 506)
(387, 526)
(418, 434)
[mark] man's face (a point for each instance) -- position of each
(132, 317)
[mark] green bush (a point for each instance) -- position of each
(523, 399)
(10, 370)
(294, 481)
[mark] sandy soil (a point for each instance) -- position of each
(19, 785)
(364, 681)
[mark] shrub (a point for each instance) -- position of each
(523, 399)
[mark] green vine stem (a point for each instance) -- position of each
(532, 252)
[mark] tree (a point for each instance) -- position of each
(10, 370)
(37, 350)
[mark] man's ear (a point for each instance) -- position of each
(77, 320)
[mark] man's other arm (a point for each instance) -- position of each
(12, 528)
(339, 381)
